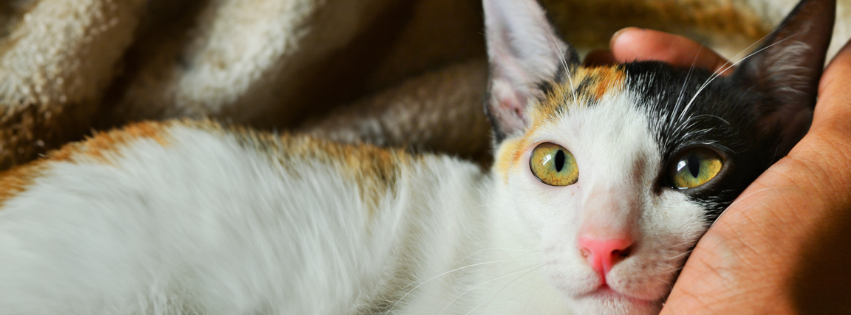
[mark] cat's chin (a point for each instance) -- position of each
(604, 300)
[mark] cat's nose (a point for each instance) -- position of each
(603, 254)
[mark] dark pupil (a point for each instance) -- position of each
(559, 160)
(693, 165)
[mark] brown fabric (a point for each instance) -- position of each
(71, 66)
(407, 115)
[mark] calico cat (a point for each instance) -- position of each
(604, 179)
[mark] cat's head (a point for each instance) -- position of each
(615, 172)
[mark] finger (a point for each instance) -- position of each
(599, 57)
(635, 44)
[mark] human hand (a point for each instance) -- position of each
(784, 245)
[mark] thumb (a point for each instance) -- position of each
(635, 44)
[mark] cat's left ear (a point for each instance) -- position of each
(787, 68)
(524, 51)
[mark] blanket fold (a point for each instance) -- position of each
(390, 72)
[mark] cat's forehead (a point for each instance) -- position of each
(591, 112)
(595, 114)
(577, 88)
(681, 107)
(596, 105)
(637, 117)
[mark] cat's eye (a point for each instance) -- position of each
(554, 165)
(693, 168)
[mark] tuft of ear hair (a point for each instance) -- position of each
(787, 68)
(524, 51)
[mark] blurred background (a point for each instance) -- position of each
(408, 73)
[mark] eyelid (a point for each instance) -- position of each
(666, 179)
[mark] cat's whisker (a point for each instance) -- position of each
(724, 67)
(677, 268)
(537, 296)
(684, 244)
(662, 273)
(503, 288)
(483, 283)
(553, 42)
(677, 249)
(686, 128)
(547, 302)
(685, 82)
(678, 256)
(446, 273)
(710, 116)
(539, 282)
(496, 248)
(720, 71)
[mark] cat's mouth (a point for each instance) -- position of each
(605, 292)
(605, 299)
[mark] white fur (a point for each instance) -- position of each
(618, 163)
(204, 225)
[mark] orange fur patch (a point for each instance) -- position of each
(102, 144)
(375, 170)
(589, 84)
(15, 180)
(605, 79)
(508, 155)
(99, 147)
(585, 84)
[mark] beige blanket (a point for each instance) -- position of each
(391, 72)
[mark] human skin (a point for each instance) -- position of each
(784, 246)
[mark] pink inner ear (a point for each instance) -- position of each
(522, 50)
(511, 111)
(511, 103)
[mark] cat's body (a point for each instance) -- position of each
(393, 224)
(172, 243)
(194, 218)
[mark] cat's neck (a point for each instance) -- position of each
(470, 254)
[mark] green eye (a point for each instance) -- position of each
(554, 165)
(694, 167)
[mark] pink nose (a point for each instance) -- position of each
(603, 254)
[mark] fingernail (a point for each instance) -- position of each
(618, 33)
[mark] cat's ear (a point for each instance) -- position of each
(524, 51)
(787, 68)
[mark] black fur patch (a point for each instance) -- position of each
(723, 117)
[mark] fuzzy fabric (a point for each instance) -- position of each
(390, 72)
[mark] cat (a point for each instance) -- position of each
(604, 179)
